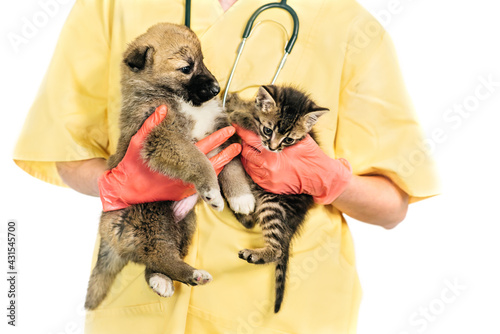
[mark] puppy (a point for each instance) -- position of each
(165, 66)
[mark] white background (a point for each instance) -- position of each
(444, 48)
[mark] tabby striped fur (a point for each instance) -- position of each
(281, 116)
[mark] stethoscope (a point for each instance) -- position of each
(248, 30)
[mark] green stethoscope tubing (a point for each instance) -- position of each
(248, 29)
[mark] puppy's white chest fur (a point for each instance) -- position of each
(204, 117)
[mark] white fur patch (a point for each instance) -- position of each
(201, 277)
(204, 116)
(162, 285)
(244, 204)
(213, 198)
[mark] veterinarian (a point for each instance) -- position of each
(343, 57)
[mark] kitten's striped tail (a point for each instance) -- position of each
(281, 271)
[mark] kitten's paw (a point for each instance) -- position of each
(162, 285)
(258, 256)
(243, 204)
(201, 277)
(250, 256)
(213, 198)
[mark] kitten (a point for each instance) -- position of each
(282, 116)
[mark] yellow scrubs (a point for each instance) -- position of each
(342, 57)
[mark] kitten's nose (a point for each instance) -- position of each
(274, 144)
(272, 149)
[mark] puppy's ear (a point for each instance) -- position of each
(138, 57)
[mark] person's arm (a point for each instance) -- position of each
(373, 199)
(82, 175)
(304, 168)
(132, 181)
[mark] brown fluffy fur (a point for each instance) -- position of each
(163, 66)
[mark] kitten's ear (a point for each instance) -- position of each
(138, 57)
(264, 100)
(312, 117)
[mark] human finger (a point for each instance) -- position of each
(256, 172)
(153, 120)
(214, 140)
(251, 154)
(223, 158)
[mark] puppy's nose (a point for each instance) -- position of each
(215, 89)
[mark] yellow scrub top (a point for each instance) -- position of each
(343, 57)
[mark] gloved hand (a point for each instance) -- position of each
(299, 169)
(132, 181)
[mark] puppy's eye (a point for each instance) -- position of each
(267, 131)
(289, 141)
(186, 69)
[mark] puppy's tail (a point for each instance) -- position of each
(108, 265)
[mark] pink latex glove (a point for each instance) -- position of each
(299, 169)
(133, 182)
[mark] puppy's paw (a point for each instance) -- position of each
(243, 119)
(243, 204)
(201, 277)
(162, 285)
(213, 198)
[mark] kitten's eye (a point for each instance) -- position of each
(267, 131)
(288, 141)
(185, 69)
